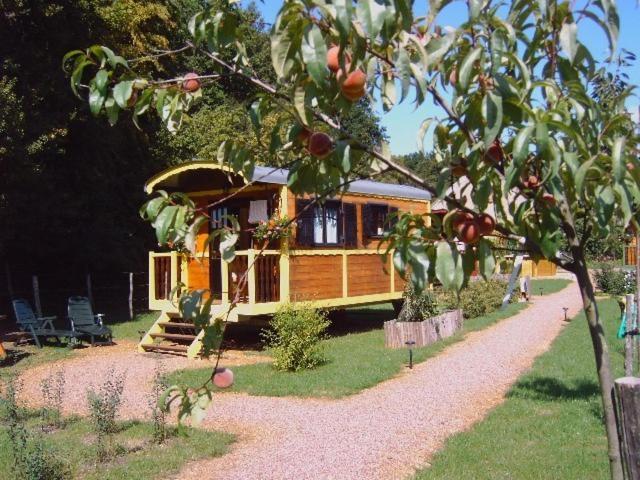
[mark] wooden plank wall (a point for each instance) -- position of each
(366, 275)
(315, 277)
(198, 271)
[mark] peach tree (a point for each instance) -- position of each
(509, 106)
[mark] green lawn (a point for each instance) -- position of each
(548, 285)
(138, 456)
(550, 426)
(129, 330)
(355, 361)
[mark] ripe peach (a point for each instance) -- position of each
(494, 153)
(459, 170)
(548, 198)
(460, 218)
(191, 82)
(468, 232)
(532, 182)
(320, 144)
(486, 223)
(353, 87)
(333, 58)
(222, 377)
(453, 77)
(303, 136)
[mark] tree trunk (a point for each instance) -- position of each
(603, 365)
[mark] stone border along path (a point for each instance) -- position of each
(385, 432)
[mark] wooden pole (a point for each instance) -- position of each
(628, 399)
(36, 295)
(628, 339)
(7, 273)
(89, 289)
(130, 295)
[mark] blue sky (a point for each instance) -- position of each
(403, 121)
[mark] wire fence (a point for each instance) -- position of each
(119, 295)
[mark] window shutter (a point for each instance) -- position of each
(367, 220)
(392, 219)
(350, 224)
(304, 223)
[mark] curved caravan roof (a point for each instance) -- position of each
(199, 176)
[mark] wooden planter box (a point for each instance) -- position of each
(423, 333)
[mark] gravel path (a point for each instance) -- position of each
(384, 432)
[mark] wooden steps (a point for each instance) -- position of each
(177, 325)
(165, 348)
(173, 336)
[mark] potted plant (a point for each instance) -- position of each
(421, 320)
(275, 228)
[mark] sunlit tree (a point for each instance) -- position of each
(513, 114)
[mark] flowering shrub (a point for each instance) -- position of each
(615, 282)
(274, 228)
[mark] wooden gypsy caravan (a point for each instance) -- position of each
(331, 258)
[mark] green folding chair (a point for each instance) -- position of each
(86, 324)
(38, 327)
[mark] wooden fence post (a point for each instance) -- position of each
(7, 273)
(90, 290)
(628, 339)
(36, 295)
(628, 400)
(130, 295)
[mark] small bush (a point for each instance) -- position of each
(418, 305)
(158, 415)
(615, 282)
(103, 407)
(294, 337)
(52, 389)
(42, 464)
(478, 298)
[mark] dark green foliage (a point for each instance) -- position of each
(103, 407)
(294, 337)
(615, 281)
(478, 298)
(158, 415)
(418, 305)
(52, 388)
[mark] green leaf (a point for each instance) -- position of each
(227, 246)
(422, 131)
(475, 6)
(299, 95)
(419, 261)
(492, 113)
(569, 40)
(466, 67)
(486, 260)
(617, 161)
(122, 93)
(447, 258)
(96, 99)
(314, 54)
(164, 222)
(112, 109)
(372, 14)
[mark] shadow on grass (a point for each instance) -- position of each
(246, 336)
(551, 389)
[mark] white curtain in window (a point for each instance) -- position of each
(332, 224)
(317, 225)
